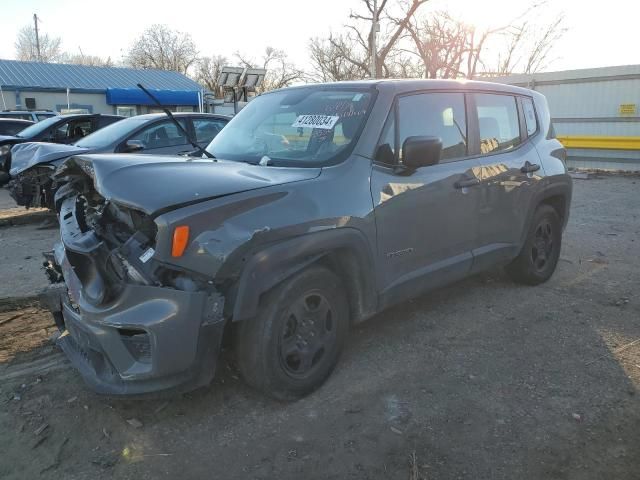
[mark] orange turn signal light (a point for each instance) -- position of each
(180, 240)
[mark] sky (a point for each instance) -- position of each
(599, 33)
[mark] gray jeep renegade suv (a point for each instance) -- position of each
(324, 204)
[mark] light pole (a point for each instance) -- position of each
(35, 22)
(375, 28)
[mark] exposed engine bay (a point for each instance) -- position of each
(110, 245)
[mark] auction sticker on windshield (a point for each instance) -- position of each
(316, 121)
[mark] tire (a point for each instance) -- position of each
(290, 348)
(539, 256)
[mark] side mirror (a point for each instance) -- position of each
(133, 146)
(421, 151)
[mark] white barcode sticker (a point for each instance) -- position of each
(316, 121)
(146, 256)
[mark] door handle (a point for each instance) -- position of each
(466, 183)
(530, 167)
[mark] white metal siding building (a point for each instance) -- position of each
(595, 113)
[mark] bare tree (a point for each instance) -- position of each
(339, 57)
(208, 70)
(522, 46)
(349, 55)
(281, 72)
(442, 44)
(449, 48)
(392, 25)
(332, 60)
(542, 44)
(162, 48)
(27, 50)
(84, 59)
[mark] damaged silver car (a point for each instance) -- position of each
(318, 207)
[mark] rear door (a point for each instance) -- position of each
(510, 174)
(427, 218)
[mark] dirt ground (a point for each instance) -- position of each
(11, 214)
(481, 380)
(21, 272)
(23, 238)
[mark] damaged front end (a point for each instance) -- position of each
(130, 323)
(33, 188)
(32, 167)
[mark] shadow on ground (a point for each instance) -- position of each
(481, 380)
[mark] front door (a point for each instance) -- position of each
(510, 174)
(426, 219)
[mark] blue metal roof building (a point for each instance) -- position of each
(36, 85)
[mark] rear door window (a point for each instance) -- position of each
(207, 128)
(22, 116)
(73, 130)
(497, 122)
(104, 121)
(439, 115)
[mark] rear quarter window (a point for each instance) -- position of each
(529, 116)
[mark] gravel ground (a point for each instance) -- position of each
(482, 380)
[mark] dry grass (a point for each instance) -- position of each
(23, 331)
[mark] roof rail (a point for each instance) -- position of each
(27, 110)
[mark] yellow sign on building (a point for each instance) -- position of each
(627, 109)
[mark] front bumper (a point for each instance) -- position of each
(148, 339)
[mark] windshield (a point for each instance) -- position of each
(296, 127)
(109, 134)
(37, 128)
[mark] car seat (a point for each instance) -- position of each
(489, 134)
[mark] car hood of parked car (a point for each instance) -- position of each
(9, 139)
(154, 184)
(27, 155)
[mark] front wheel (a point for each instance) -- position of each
(292, 345)
(539, 256)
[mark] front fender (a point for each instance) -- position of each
(275, 263)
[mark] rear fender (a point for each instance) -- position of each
(561, 186)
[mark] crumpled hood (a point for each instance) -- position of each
(26, 155)
(155, 183)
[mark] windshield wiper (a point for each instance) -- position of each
(177, 124)
(264, 161)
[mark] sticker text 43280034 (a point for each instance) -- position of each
(316, 121)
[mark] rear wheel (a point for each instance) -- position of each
(292, 345)
(539, 256)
